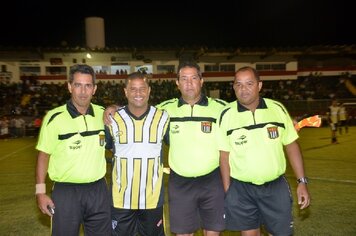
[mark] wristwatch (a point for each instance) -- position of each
(303, 180)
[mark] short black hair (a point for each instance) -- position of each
(136, 75)
(83, 69)
(190, 64)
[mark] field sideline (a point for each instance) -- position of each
(331, 170)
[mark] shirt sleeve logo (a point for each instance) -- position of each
(273, 132)
(101, 138)
(206, 126)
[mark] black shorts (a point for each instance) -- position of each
(249, 206)
(76, 204)
(196, 203)
(145, 222)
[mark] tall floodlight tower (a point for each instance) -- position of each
(95, 32)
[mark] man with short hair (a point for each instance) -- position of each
(195, 190)
(343, 119)
(137, 131)
(255, 131)
(333, 118)
(71, 149)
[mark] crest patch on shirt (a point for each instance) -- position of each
(273, 132)
(206, 126)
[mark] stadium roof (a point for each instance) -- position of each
(199, 53)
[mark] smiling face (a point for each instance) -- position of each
(137, 92)
(189, 84)
(82, 89)
(247, 87)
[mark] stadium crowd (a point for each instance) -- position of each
(21, 104)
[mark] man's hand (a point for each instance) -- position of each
(303, 196)
(43, 201)
(109, 111)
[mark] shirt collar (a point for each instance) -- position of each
(203, 101)
(261, 105)
(75, 113)
(140, 117)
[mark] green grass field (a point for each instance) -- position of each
(331, 169)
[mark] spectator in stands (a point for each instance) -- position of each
(256, 134)
(4, 127)
(37, 124)
(71, 149)
(333, 118)
(137, 132)
(19, 126)
(12, 129)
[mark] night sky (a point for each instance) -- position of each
(274, 23)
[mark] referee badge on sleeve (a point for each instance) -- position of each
(101, 139)
(273, 132)
(206, 126)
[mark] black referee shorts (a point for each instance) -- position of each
(196, 203)
(248, 206)
(143, 222)
(76, 204)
